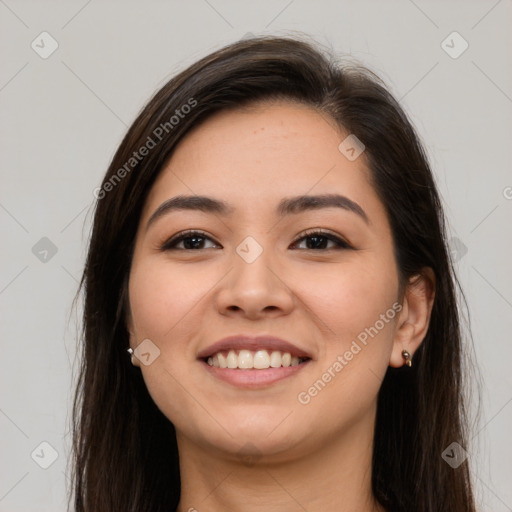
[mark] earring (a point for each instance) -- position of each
(130, 351)
(407, 358)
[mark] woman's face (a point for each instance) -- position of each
(257, 270)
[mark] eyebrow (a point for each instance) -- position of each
(287, 206)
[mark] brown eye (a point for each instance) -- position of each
(320, 239)
(191, 240)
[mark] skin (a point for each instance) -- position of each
(256, 450)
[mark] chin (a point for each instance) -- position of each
(258, 436)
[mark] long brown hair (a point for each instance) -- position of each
(125, 457)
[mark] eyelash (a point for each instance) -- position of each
(170, 244)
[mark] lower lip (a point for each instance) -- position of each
(251, 378)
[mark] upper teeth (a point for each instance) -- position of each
(259, 359)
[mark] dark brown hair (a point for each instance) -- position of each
(125, 457)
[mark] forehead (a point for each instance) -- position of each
(261, 153)
(287, 131)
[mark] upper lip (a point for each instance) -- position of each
(248, 342)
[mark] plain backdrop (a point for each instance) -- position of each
(63, 116)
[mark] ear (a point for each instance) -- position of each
(414, 318)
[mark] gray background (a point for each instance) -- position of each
(62, 118)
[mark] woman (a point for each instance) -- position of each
(269, 247)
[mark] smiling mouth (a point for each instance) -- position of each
(253, 360)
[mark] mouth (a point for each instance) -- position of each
(253, 362)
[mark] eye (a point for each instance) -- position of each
(320, 239)
(195, 240)
(192, 240)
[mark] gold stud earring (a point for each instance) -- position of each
(407, 358)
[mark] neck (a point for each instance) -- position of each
(334, 477)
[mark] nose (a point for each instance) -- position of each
(255, 290)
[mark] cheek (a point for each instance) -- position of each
(353, 297)
(355, 303)
(358, 310)
(161, 296)
(163, 303)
